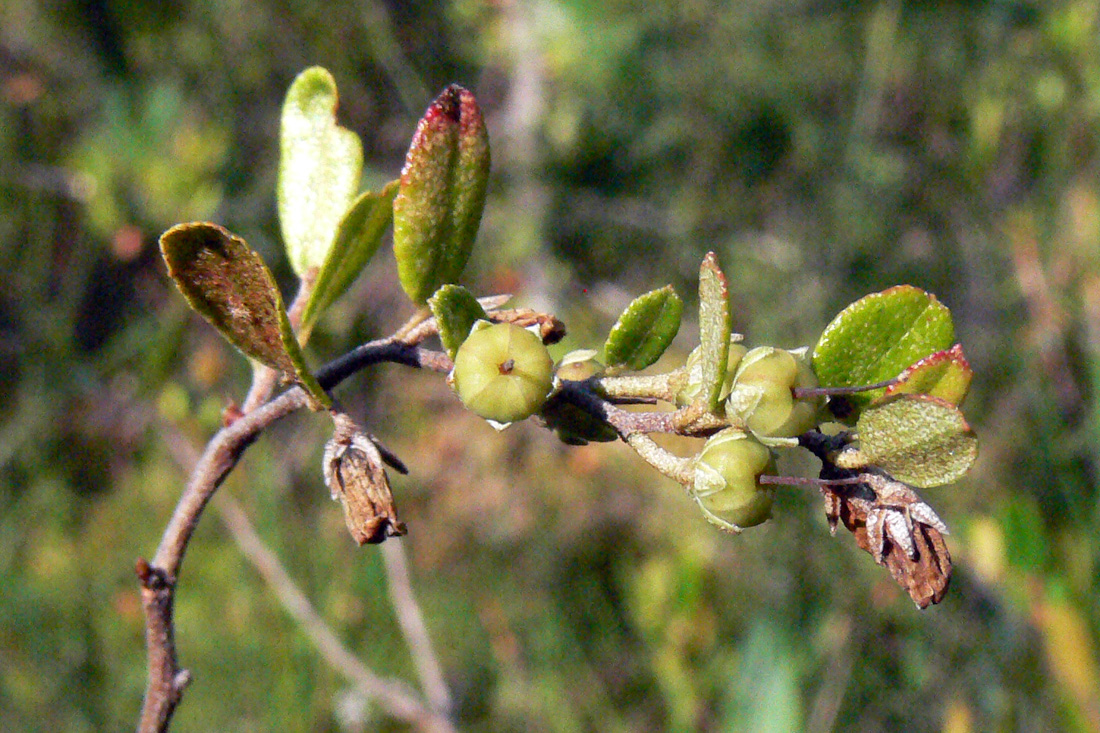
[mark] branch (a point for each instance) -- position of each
(413, 627)
(393, 695)
(689, 421)
(166, 681)
(626, 423)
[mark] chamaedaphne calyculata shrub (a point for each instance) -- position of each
(876, 399)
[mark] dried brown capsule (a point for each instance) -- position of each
(354, 473)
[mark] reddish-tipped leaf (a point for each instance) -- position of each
(714, 331)
(442, 194)
(945, 374)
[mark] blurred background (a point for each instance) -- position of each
(824, 149)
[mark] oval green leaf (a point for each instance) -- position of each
(229, 285)
(945, 374)
(919, 440)
(455, 310)
(644, 330)
(878, 336)
(715, 328)
(357, 239)
(442, 194)
(320, 165)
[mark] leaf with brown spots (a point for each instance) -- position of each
(230, 286)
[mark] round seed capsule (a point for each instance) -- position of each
(503, 372)
(762, 400)
(726, 485)
(579, 365)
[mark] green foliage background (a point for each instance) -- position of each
(823, 149)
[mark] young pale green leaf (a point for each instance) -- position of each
(230, 286)
(455, 310)
(878, 336)
(714, 331)
(319, 168)
(919, 440)
(439, 204)
(357, 239)
(644, 330)
(945, 374)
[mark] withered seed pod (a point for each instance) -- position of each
(353, 471)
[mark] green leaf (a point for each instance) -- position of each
(945, 374)
(438, 207)
(917, 439)
(357, 239)
(878, 336)
(319, 168)
(230, 286)
(714, 331)
(644, 330)
(455, 310)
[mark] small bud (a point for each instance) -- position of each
(579, 365)
(726, 483)
(353, 471)
(762, 399)
(693, 366)
(502, 372)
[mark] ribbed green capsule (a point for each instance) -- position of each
(579, 365)
(502, 372)
(726, 484)
(762, 399)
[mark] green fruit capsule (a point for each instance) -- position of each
(694, 368)
(762, 400)
(726, 484)
(502, 372)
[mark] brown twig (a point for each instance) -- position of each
(805, 392)
(583, 395)
(166, 680)
(393, 695)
